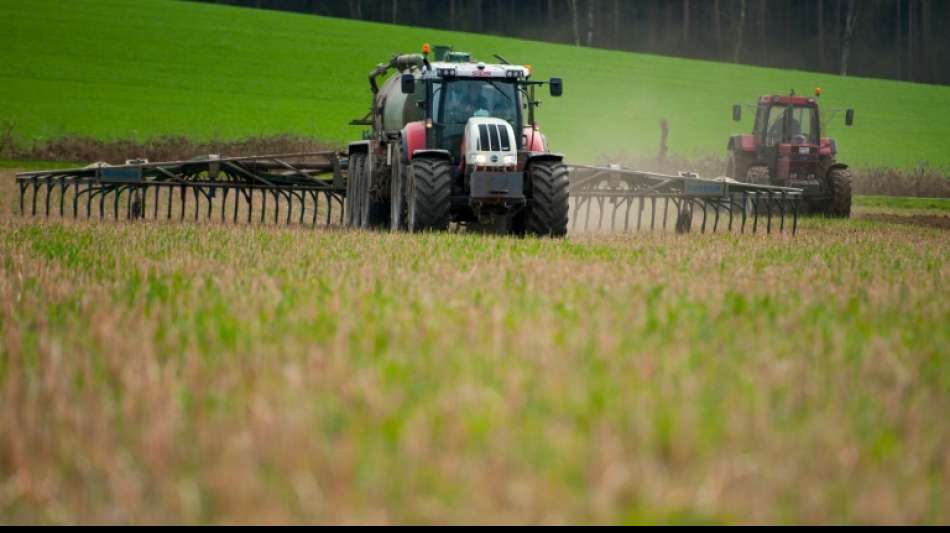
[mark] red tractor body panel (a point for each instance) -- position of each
(743, 143)
(414, 137)
(534, 140)
(797, 162)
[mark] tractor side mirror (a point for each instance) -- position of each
(737, 112)
(849, 117)
(408, 84)
(557, 86)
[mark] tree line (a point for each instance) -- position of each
(893, 39)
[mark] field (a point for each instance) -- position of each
(106, 69)
(168, 373)
(202, 373)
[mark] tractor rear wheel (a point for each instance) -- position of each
(362, 210)
(354, 181)
(548, 213)
(839, 181)
(429, 195)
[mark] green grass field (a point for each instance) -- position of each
(124, 68)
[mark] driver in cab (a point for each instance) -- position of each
(473, 100)
(777, 131)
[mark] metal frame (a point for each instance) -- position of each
(617, 190)
(309, 184)
(301, 180)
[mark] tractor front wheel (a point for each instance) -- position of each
(428, 195)
(839, 182)
(548, 213)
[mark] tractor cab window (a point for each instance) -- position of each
(456, 101)
(799, 130)
(459, 100)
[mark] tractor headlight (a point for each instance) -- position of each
(481, 159)
(510, 160)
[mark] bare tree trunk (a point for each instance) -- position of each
(848, 37)
(763, 33)
(550, 13)
(616, 25)
(574, 25)
(452, 14)
(740, 27)
(898, 40)
(356, 9)
(395, 10)
(653, 19)
(590, 22)
(910, 40)
(788, 24)
(686, 26)
(821, 35)
(478, 18)
(925, 26)
(717, 27)
(839, 28)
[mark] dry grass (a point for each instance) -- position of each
(201, 373)
(162, 148)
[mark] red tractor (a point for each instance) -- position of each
(455, 141)
(787, 148)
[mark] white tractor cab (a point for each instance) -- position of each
(462, 139)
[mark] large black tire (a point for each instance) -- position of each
(839, 182)
(428, 197)
(547, 213)
(398, 210)
(362, 211)
(354, 178)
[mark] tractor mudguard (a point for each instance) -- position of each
(827, 147)
(437, 154)
(413, 138)
(533, 140)
(837, 166)
(543, 156)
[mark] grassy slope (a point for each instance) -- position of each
(166, 373)
(120, 68)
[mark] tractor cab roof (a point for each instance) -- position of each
(441, 69)
(802, 101)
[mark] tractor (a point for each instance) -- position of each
(454, 141)
(787, 148)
